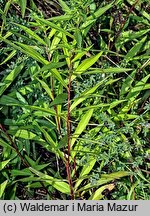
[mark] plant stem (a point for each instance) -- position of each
(68, 165)
(123, 24)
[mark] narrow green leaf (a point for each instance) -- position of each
(80, 54)
(86, 26)
(146, 15)
(41, 166)
(30, 51)
(57, 75)
(10, 78)
(12, 54)
(6, 145)
(57, 38)
(130, 35)
(78, 38)
(84, 95)
(64, 6)
(27, 135)
(52, 65)
(60, 18)
(127, 84)
(100, 11)
(59, 184)
(108, 70)
(3, 164)
(60, 99)
(23, 4)
(135, 49)
(23, 172)
(125, 116)
(86, 64)
(47, 89)
(52, 25)
(97, 195)
(135, 91)
(7, 6)
(85, 171)
(9, 101)
(105, 178)
(47, 137)
(66, 51)
(30, 161)
(82, 125)
(31, 33)
(115, 103)
(92, 18)
(2, 188)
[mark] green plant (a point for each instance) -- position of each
(78, 103)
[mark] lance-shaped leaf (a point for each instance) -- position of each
(57, 75)
(28, 135)
(97, 195)
(85, 27)
(54, 26)
(2, 187)
(86, 64)
(85, 171)
(85, 94)
(10, 78)
(23, 4)
(9, 101)
(108, 70)
(135, 49)
(100, 11)
(134, 92)
(82, 125)
(61, 18)
(3, 164)
(31, 33)
(64, 6)
(30, 51)
(52, 65)
(105, 178)
(56, 40)
(46, 87)
(59, 184)
(60, 99)
(9, 57)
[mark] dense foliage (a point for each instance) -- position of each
(74, 99)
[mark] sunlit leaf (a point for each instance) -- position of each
(2, 188)
(59, 184)
(3, 164)
(23, 4)
(81, 126)
(85, 171)
(97, 195)
(10, 78)
(32, 34)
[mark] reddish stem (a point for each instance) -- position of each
(68, 165)
(123, 23)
